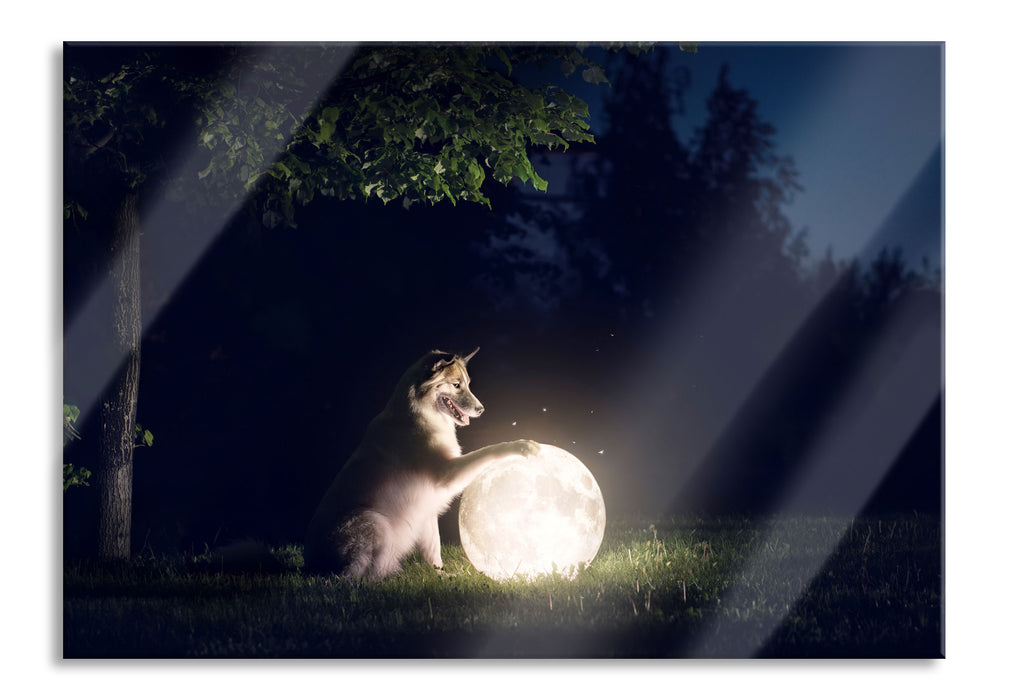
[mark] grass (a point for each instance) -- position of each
(718, 587)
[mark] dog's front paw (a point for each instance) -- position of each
(525, 448)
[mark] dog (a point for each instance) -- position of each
(385, 501)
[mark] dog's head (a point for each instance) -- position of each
(446, 387)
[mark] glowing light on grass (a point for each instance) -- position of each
(527, 515)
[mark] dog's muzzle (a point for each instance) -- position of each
(450, 407)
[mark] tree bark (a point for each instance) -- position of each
(119, 405)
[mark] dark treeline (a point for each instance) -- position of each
(655, 313)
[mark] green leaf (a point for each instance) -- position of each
(538, 182)
(594, 75)
(71, 413)
(326, 130)
(70, 416)
(330, 114)
(549, 140)
(72, 208)
(476, 174)
(144, 435)
(579, 107)
(74, 476)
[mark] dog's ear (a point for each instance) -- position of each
(442, 360)
(469, 357)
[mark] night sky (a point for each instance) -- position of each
(689, 379)
(862, 121)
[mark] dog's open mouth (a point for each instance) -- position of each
(449, 407)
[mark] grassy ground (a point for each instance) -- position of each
(719, 587)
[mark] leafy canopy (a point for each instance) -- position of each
(420, 123)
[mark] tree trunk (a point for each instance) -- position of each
(119, 406)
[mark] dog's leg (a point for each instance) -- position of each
(462, 470)
(355, 542)
(430, 543)
(386, 562)
(368, 547)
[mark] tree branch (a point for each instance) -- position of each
(93, 146)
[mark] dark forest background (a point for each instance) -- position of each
(655, 313)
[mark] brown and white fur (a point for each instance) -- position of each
(386, 500)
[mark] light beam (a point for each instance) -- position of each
(85, 333)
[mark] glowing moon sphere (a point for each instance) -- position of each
(526, 515)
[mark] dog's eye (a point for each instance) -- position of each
(456, 384)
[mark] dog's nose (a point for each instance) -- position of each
(479, 409)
